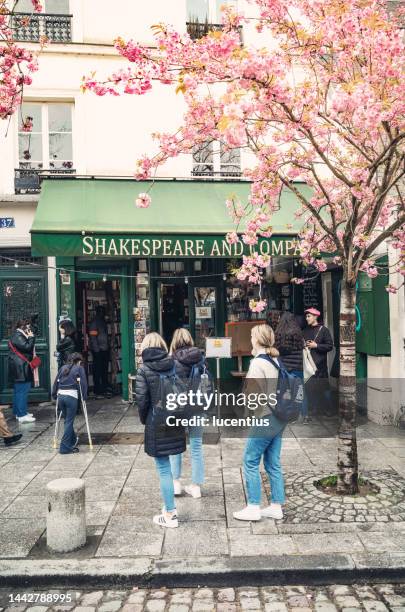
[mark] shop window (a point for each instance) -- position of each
(21, 298)
(48, 146)
(171, 268)
(204, 16)
(216, 159)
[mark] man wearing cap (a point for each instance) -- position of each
(318, 339)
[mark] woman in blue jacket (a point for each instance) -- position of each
(69, 386)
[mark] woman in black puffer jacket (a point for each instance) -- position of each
(161, 440)
(186, 357)
(21, 352)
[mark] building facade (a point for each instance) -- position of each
(149, 273)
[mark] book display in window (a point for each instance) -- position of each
(142, 324)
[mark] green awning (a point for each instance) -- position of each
(70, 211)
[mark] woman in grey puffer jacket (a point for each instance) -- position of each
(161, 439)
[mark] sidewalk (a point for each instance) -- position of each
(321, 538)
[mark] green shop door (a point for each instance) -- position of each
(24, 293)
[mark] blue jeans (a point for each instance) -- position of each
(304, 406)
(20, 398)
(197, 458)
(166, 482)
(68, 406)
(269, 447)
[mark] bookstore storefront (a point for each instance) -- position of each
(160, 268)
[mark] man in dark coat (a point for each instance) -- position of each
(319, 340)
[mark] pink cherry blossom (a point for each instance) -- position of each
(257, 305)
(143, 200)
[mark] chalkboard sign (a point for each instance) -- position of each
(311, 291)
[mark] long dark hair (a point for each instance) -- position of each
(73, 359)
(289, 335)
(68, 327)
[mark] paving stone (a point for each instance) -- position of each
(85, 609)
(250, 603)
(158, 594)
(325, 606)
(179, 608)
(226, 607)
(347, 601)
(374, 606)
(204, 594)
(132, 607)
(394, 600)
(275, 606)
(201, 605)
(180, 598)
(328, 543)
(262, 545)
(110, 606)
(226, 595)
(137, 598)
(155, 605)
(93, 598)
(196, 539)
(38, 608)
(364, 592)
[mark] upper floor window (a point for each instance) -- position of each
(48, 146)
(54, 23)
(216, 159)
(204, 16)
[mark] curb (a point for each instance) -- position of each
(214, 572)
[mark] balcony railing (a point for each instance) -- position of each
(31, 27)
(197, 30)
(28, 180)
(223, 176)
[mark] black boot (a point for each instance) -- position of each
(12, 439)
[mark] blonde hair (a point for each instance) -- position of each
(181, 337)
(153, 340)
(264, 336)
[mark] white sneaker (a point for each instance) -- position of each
(273, 511)
(26, 419)
(177, 487)
(250, 513)
(193, 490)
(166, 521)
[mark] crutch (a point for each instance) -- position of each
(58, 417)
(86, 418)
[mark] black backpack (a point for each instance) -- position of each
(290, 393)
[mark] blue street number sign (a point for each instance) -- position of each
(7, 222)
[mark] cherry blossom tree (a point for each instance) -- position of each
(320, 99)
(16, 63)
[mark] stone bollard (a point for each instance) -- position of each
(66, 514)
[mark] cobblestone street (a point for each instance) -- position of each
(370, 598)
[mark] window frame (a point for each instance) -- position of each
(218, 166)
(45, 164)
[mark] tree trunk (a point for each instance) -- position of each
(347, 443)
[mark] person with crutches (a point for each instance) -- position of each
(69, 388)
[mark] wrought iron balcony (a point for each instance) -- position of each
(222, 176)
(197, 30)
(31, 27)
(28, 180)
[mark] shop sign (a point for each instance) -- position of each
(208, 246)
(203, 312)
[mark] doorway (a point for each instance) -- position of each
(92, 297)
(192, 306)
